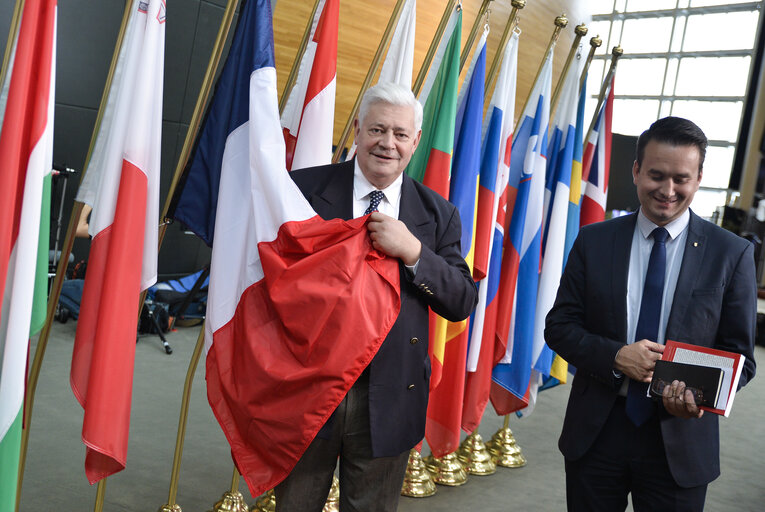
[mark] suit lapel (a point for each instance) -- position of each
(411, 212)
(693, 255)
(620, 272)
(336, 200)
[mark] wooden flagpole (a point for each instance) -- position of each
(616, 52)
(560, 23)
(58, 280)
(11, 39)
(298, 57)
(509, 27)
(387, 35)
(595, 43)
(579, 31)
(473, 33)
(433, 47)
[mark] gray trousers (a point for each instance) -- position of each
(367, 484)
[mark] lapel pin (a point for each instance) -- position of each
(695, 244)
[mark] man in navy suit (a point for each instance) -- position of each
(667, 454)
(383, 415)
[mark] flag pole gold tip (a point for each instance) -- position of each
(417, 482)
(475, 457)
(170, 508)
(518, 4)
(561, 21)
(581, 30)
(446, 470)
(618, 51)
(596, 41)
(231, 502)
(333, 499)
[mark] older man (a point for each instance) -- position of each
(383, 415)
(630, 284)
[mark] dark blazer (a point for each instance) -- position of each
(399, 374)
(714, 306)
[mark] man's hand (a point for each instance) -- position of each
(392, 237)
(638, 360)
(679, 402)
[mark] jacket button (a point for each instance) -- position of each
(410, 386)
(413, 340)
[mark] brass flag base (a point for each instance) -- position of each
(475, 457)
(504, 449)
(170, 508)
(266, 503)
(417, 482)
(333, 500)
(231, 502)
(446, 470)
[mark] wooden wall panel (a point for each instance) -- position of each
(362, 23)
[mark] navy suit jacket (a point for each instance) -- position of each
(399, 374)
(714, 306)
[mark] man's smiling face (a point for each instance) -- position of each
(386, 139)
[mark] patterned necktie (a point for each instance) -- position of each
(639, 407)
(374, 201)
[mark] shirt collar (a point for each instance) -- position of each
(362, 188)
(674, 228)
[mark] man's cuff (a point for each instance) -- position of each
(412, 269)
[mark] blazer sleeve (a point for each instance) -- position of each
(738, 313)
(578, 326)
(443, 279)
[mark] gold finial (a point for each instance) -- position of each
(596, 41)
(581, 30)
(618, 51)
(518, 4)
(561, 21)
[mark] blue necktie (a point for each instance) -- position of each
(639, 407)
(374, 201)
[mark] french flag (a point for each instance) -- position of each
(309, 115)
(121, 184)
(596, 164)
(273, 378)
(492, 198)
(521, 260)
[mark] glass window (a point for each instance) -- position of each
(613, 37)
(641, 76)
(601, 6)
(595, 77)
(669, 84)
(705, 202)
(600, 29)
(632, 117)
(713, 76)
(647, 35)
(650, 5)
(666, 108)
(724, 31)
(677, 37)
(718, 119)
(704, 3)
(717, 166)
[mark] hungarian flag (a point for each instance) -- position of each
(26, 154)
(521, 259)
(490, 229)
(273, 378)
(121, 184)
(444, 416)
(309, 114)
(597, 163)
(431, 162)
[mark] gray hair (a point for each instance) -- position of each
(393, 94)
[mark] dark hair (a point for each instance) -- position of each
(675, 131)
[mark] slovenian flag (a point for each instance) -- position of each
(273, 378)
(521, 259)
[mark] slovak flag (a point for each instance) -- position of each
(273, 378)
(309, 114)
(121, 184)
(490, 229)
(510, 378)
(596, 164)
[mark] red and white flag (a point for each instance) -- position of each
(122, 186)
(308, 119)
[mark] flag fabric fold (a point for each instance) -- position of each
(26, 154)
(444, 415)
(521, 259)
(490, 224)
(309, 114)
(122, 186)
(272, 378)
(596, 164)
